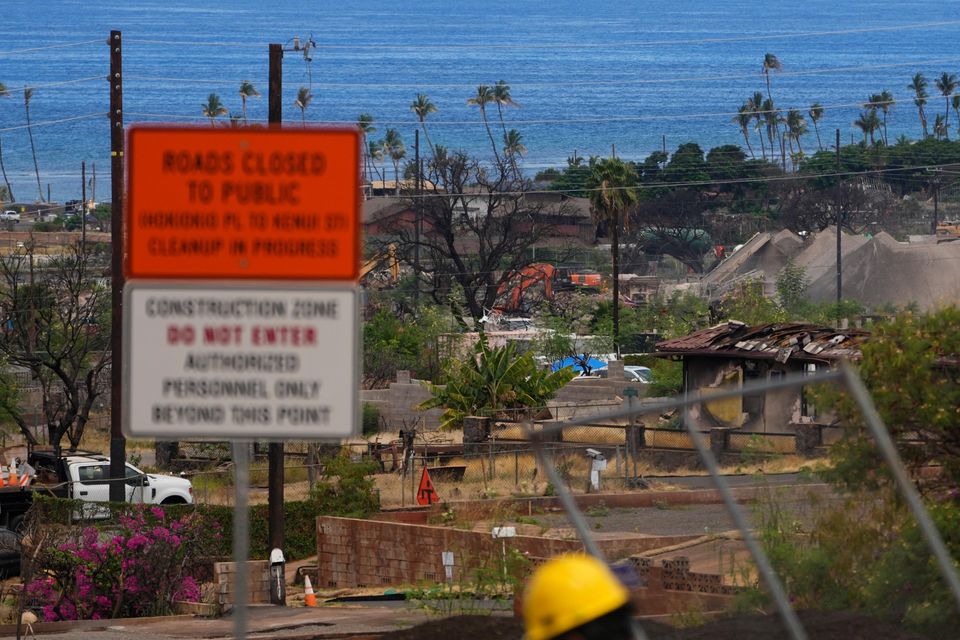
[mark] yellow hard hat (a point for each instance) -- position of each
(568, 591)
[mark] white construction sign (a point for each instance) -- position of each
(225, 362)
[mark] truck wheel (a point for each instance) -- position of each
(174, 500)
(16, 524)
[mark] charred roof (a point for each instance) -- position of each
(779, 341)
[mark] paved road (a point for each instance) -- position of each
(264, 622)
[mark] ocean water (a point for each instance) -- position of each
(586, 75)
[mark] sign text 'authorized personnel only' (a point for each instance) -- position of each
(238, 362)
(243, 203)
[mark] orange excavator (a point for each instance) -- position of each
(522, 280)
(552, 279)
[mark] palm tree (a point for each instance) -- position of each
(884, 102)
(939, 127)
(393, 147)
(816, 113)
(4, 93)
(247, 90)
(423, 107)
(27, 96)
(365, 125)
(771, 116)
(771, 63)
(375, 152)
(955, 103)
(213, 108)
(797, 127)
(946, 84)
(919, 86)
(303, 100)
(743, 119)
(501, 96)
(512, 147)
(483, 97)
(756, 106)
(612, 182)
(868, 122)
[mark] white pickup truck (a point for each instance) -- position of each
(89, 477)
(85, 476)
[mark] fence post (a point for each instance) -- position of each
(476, 429)
(807, 437)
(719, 440)
(516, 467)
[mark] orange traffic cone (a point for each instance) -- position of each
(309, 598)
(2, 473)
(13, 475)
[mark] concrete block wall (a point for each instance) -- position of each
(258, 582)
(397, 404)
(368, 553)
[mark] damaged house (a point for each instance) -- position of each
(732, 353)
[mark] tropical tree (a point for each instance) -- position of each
(771, 63)
(940, 127)
(883, 102)
(365, 125)
(502, 97)
(513, 148)
(918, 84)
(868, 122)
(302, 101)
(756, 107)
(947, 84)
(955, 102)
(27, 96)
(247, 90)
(498, 382)
(213, 108)
(394, 149)
(423, 107)
(5, 93)
(816, 114)
(743, 119)
(613, 183)
(376, 154)
(481, 99)
(771, 119)
(796, 127)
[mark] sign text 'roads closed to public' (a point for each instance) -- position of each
(239, 362)
(243, 203)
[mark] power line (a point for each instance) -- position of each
(61, 45)
(585, 83)
(43, 123)
(554, 45)
(60, 83)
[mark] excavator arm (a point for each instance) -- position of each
(388, 257)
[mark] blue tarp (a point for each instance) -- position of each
(593, 363)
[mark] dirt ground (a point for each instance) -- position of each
(818, 625)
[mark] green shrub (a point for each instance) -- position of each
(370, 419)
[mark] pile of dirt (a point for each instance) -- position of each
(818, 625)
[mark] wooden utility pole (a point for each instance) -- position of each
(83, 207)
(275, 455)
(419, 216)
(936, 200)
(839, 220)
(118, 445)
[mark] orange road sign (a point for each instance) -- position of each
(247, 203)
(426, 494)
